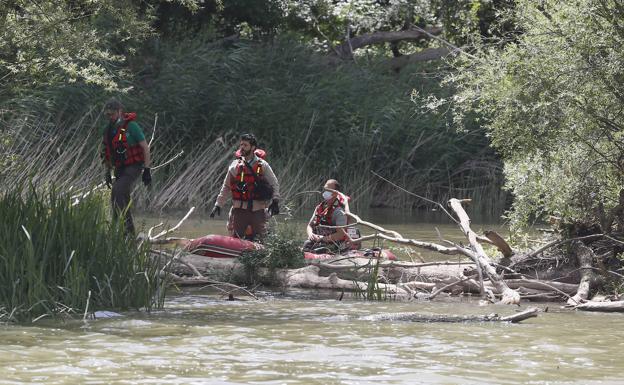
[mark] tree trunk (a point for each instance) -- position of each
(346, 49)
(585, 257)
(397, 63)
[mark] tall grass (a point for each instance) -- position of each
(58, 257)
(319, 119)
(316, 119)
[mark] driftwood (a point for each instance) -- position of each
(395, 278)
(480, 257)
(613, 306)
(354, 273)
(416, 317)
(566, 288)
(585, 256)
(307, 277)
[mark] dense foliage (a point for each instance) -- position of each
(211, 69)
(553, 102)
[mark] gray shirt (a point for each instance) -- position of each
(339, 218)
(230, 176)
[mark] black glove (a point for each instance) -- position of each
(215, 210)
(147, 176)
(108, 179)
(274, 208)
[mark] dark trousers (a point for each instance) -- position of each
(323, 247)
(241, 218)
(120, 195)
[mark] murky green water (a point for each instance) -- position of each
(200, 338)
(408, 225)
(297, 338)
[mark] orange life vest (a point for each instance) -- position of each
(323, 214)
(117, 150)
(244, 184)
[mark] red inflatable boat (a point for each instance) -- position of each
(223, 246)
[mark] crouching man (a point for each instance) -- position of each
(330, 212)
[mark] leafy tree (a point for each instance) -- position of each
(47, 42)
(553, 106)
(331, 21)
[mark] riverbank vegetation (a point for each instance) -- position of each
(60, 257)
(211, 71)
(437, 97)
(551, 101)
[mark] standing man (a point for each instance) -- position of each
(253, 187)
(330, 212)
(127, 152)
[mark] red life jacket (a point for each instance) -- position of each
(117, 150)
(260, 153)
(244, 182)
(323, 214)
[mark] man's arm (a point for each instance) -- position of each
(271, 179)
(225, 192)
(146, 153)
(310, 231)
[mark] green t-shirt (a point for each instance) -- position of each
(134, 133)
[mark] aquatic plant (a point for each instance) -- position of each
(60, 257)
(282, 250)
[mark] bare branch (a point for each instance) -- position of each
(417, 196)
(480, 257)
(168, 161)
(174, 227)
(153, 131)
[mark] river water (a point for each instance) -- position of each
(303, 337)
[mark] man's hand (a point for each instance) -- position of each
(108, 179)
(315, 237)
(215, 210)
(274, 208)
(147, 176)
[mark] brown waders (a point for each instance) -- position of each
(120, 195)
(241, 218)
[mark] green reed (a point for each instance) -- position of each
(58, 256)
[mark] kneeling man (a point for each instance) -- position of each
(330, 212)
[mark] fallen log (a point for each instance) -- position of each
(308, 277)
(585, 257)
(416, 317)
(613, 306)
(567, 288)
(342, 274)
(229, 270)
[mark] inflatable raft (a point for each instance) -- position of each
(223, 246)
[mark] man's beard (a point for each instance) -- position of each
(245, 153)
